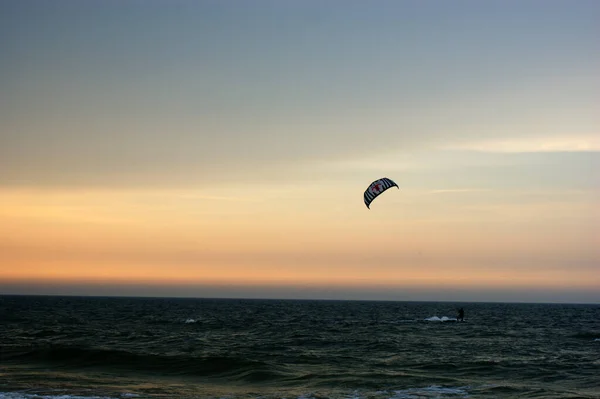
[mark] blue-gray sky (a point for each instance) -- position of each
(263, 121)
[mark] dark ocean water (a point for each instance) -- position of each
(83, 347)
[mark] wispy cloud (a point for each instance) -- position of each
(458, 190)
(193, 196)
(576, 143)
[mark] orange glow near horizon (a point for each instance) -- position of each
(161, 238)
(399, 280)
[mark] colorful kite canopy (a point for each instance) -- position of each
(376, 188)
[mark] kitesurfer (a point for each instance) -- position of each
(461, 315)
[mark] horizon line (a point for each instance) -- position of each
(295, 299)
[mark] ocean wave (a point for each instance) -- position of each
(110, 359)
(432, 391)
(587, 335)
(244, 349)
(18, 395)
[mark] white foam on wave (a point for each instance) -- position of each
(432, 391)
(442, 319)
(190, 321)
(20, 395)
(597, 340)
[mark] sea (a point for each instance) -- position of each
(106, 347)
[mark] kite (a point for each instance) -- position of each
(376, 188)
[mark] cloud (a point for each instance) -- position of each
(576, 143)
(458, 190)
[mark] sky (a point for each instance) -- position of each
(221, 149)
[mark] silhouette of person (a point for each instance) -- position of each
(461, 315)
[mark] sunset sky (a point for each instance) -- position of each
(221, 149)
